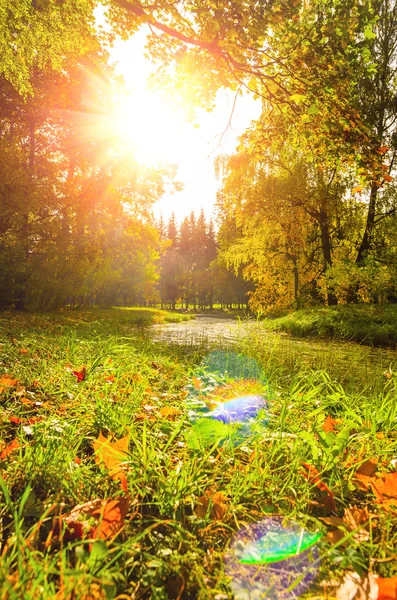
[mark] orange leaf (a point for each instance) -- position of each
(366, 471)
(387, 177)
(110, 518)
(382, 149)
(14, 445)
(368, 468)
(387, 588)
(313, 476)
(23, 351)
(329, 424)
(357, 189)
(385, 489)
(8, 381)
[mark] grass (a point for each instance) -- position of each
(371, 324)
(189, 494)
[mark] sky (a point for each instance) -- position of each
(158, 131)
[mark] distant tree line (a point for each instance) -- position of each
(192, 276)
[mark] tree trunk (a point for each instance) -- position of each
(326, 250)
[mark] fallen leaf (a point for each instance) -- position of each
(385, 489)
(30, 421)
(216, 501)
(95, 519)
(387, 588)
(313, 477)
(78, 521)
(81, 375)
(112, 454)
(329, 424)
(357, 519)
(335, 536)
(366, 471)
(358, 587)
(14, 445)
(197, 383)
(110, 517)
(169, 412)
(8, 381)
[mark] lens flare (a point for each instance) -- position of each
(238, 410)
(227, 400)
(274, 558)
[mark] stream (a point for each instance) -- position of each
(347, 359)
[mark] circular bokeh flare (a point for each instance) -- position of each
(274, 558)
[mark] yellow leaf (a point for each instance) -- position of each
(196, 383)
(111, 455)
(169, 412)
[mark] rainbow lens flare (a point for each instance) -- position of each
(238, 410)
(274, 558)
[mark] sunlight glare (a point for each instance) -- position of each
(147, 126)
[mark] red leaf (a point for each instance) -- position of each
(81, 375)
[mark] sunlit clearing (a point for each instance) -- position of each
(146, 126)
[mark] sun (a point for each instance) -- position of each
(144, 124)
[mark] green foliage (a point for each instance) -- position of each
(371, 324)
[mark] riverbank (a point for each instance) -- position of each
(108, 488)
(371, 324)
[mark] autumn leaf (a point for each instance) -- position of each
(110, 518)
(366, 471)
(329, 424)
(383, 485)
(81, 375)
(357, 189)
(197, 383)
(354, 519)
(367, 587)
(384, 488)
(313, 477)
(8, 381)
(14, 445)
(169, 412)
(382, 149)
(96, 519)
(387, 177)
(216, 501)
(112, 454)
(387, 588)
(23, 351)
